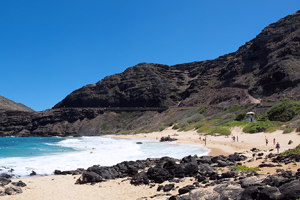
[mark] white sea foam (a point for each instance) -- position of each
(97, 151)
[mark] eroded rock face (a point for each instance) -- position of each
(54, 122)
(265, 66)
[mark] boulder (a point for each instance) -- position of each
(186, 189)
(191, 169)
(19, 184)
(33, 173)
(229, 191)
(269, 193)
(275, 180)
(159, 175)
(229, 174)
(168, 187)
(250, 193)
(266, 165)
(290, 190)
(89, 177)
(204, 194)
(12, 191)
(253, 181)
(139, 179)
(105, 172)
(4, 181)
(167, 139)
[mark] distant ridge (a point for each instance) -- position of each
(7, 104)
(267, 67)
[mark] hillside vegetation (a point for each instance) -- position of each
(204, 119)
(281, 114)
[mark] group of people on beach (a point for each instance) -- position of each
(277, 145)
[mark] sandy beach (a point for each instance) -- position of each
(63, 186)
(219, 145)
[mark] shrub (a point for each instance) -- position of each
(263, 119)
(161, 128)
(255, 127)
(288, 130)
(240, 117)
(175, 127)
(195, 118)
(298, 129)
(270, 100)
(202, 108)
(199, 125)
(183, 124)
(234, 108)
(284, 111)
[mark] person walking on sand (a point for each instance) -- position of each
(267, 141)
(277, 147)
(274, 141)
(237, 138)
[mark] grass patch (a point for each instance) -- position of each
(217, 129)
(235, 123)
(271, 129)
(245, 168)
(292, 151)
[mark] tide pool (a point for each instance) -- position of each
(45, 154)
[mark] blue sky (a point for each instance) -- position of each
(50, 48)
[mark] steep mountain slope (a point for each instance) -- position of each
(266, 67)
(7, 104)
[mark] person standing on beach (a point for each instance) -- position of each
(274, 141)
(237, 138)
(267, 141)
(277, 147)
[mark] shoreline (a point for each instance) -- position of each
(64, 187)
(219, 145)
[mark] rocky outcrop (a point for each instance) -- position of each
(54, 122)
(266, 67)
(167, 139)
(210, 183)
(8, 104)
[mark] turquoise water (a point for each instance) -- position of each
(31, 146)
(46, 154)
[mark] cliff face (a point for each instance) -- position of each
(266, 67)
(54, 122)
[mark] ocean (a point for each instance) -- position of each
(46, 154)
